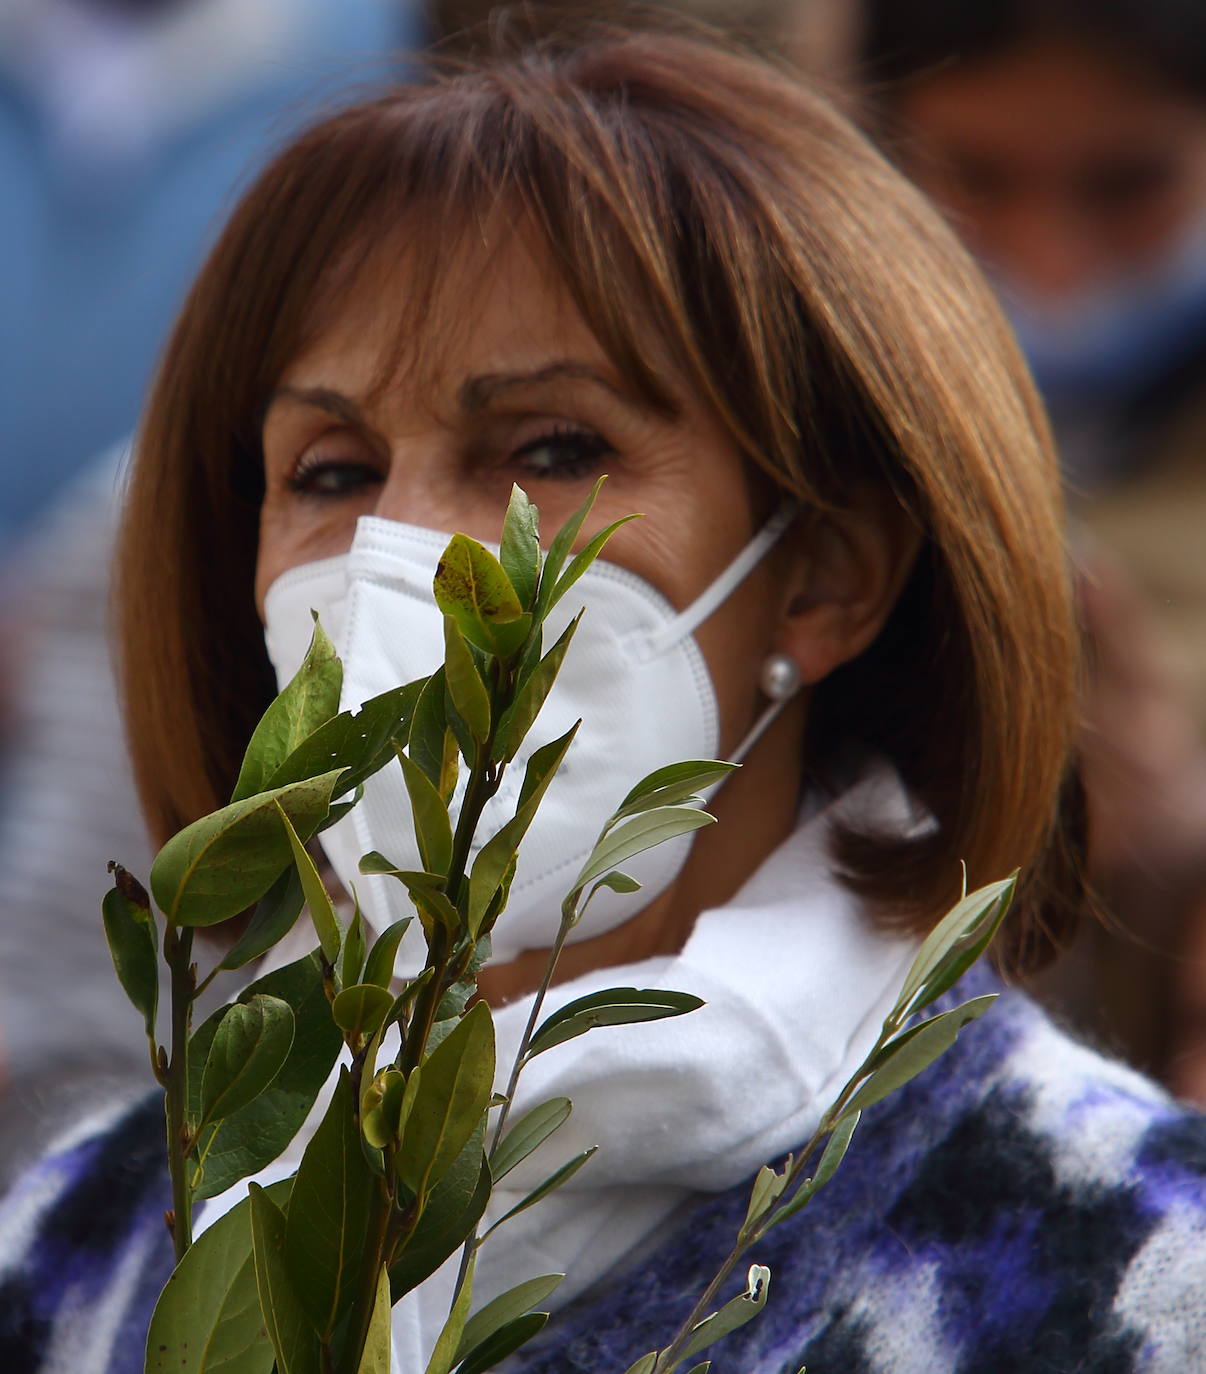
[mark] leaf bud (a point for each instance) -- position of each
(129, 886)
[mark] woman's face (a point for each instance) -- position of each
(522, 393)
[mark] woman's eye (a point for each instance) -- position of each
(563, 453)
(333, 477)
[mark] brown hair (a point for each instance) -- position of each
(810, 295)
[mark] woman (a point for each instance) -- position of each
(649, 257)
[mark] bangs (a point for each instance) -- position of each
(655, 229)
(423, 205)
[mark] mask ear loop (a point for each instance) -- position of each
(686, 622)
(780, 681)
(780, 677)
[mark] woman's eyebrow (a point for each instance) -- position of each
(475, 393)
(322, 397)
(478, 392)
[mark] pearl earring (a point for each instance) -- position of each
(780, 677)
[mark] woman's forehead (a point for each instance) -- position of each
(417, 317)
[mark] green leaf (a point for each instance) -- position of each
(247, 1140)
(359, 743)
(701, 1368)
(410, 991)
(428, 728)
(376, 1356)
(502, 1310)
(362, 1008)
(494, 860)
(465, 685)
(458, 1077)
(289, 1329)
(450, 1335)
(583, 560)
(221, 864)
(380, 966)
(638, 834)
(376, 862)
(318, 899)
(520, 716)
(768, 1188)
(542, 766)
(338, 810)
(450, 767)
(954, 944)
(455, 999)
(916, 1049)
(329, 1214)
(454, 1207)
(610, 1007)
(207, 1319)
(462, 737)
(519, 551)
(741, 1309)
(473, 588)
(531, 1130)
(409, 1092)
(615, 881)
(351, 956)
(676, 783)
(134, 947)
(381, 1107)
(309, 700)
(505, 1341)
(833, 1154)
(645, 1365)
(559, 550)
(550, 1185)
(274, 917)
(372, 1049)
(433, 829)
(425, 889)
(249, 1049)
(835, 1148)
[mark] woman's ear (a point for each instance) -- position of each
(850, 568)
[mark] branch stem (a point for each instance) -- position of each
(469, 1249)
(757, 1226)
(177, 951)
(365, 1295)
(546, 982)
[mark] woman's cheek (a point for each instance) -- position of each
(290, 538)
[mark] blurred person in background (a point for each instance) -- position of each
(125, 128)
(1066, 140)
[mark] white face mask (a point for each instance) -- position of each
(634, 675)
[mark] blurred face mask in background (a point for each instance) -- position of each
(1115, 335)
(634, 675)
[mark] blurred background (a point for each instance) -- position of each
(1065, 140)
